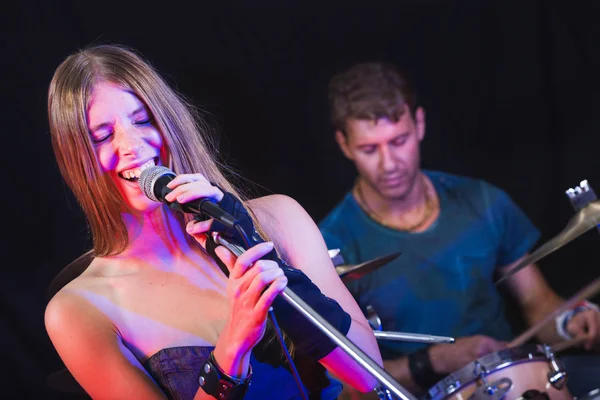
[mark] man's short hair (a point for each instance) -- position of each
(369, 91)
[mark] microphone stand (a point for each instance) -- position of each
(153, 181)
(342, 341)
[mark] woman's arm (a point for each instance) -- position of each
(297, 236)
(88, 343)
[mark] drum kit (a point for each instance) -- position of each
(521, 371)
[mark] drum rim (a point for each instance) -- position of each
(590, 395)
(500, 359)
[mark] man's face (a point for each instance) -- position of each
(386, 153)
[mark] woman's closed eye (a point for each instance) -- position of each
(105, 134)
(144, 121)
(100, 138)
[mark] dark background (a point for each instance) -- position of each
(510, 89)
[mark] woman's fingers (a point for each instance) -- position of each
(260, 280)
(185, 178)
(248, 265)
(248, 258)
(268, 296)
(192, 191)
(227, 257)
(198, 229)
(195, 227)
(188, 187)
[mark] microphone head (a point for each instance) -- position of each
(148, 179)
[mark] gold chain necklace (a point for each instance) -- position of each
(429, 209)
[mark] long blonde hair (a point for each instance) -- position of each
(188, 146)
(187, 143)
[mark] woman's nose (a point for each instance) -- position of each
(129, 143)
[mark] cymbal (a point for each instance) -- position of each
(585, 219)
(349, 273)
(70, 272)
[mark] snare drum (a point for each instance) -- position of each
(524, 372)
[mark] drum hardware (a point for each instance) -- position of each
(582, 195)
(383, 393)
(380, 334)
(336, 257)
(557, 377)
(373, 319)
(452, 387)
(494, 390)
(412, 337)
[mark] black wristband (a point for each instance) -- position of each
(421, 369)
(219, 385)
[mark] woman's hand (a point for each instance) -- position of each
(253, 285)
(188, 187)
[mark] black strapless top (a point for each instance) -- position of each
(176, 371)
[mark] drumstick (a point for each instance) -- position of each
(558, 347)
(588, 291)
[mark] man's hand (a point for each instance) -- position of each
(586, 324)
(448, 358)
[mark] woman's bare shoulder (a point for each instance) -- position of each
(70, 304)
(276, 205)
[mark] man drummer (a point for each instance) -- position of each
(456, 235)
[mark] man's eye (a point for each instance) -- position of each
(400, 141)
(368, 150)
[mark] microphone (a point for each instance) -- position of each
(153, 182)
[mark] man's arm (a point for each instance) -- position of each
(535, 298)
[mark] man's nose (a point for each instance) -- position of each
(388, 163)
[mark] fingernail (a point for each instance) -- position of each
(268, 245)
(190, 226)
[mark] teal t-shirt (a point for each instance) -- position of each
(443, 282)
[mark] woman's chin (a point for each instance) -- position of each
(143, 205)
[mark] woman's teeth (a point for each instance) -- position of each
(135, 173)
